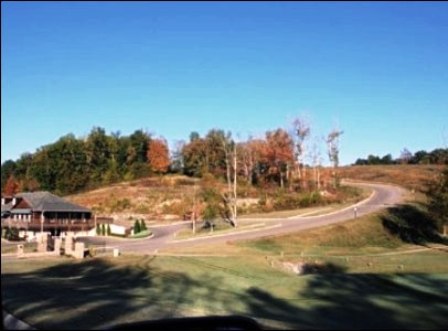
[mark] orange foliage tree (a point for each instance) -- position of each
(11, 186)
(158, 155)
(279, 153)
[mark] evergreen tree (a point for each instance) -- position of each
(137, 227)
(143, 225)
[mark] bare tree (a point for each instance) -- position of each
(333, 152)
(301, 131)
(315, 156)
(246, 159)
(230, 197)
(405, 156)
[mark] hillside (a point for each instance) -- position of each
(171, 196)
(414, 177)
(149, 196)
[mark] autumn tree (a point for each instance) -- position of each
(279, 153)
(333, 152)
(158, 155)
(7, 170)
(250, 154)
(11, 186)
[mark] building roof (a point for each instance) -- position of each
(45, 201)
(6, 207)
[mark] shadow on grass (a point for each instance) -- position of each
(412, 225)
(97, 293)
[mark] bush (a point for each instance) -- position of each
(310, 199)
(209, 214)
(185, 181)
(98, 229)
(108, 230)
(286, 201)
(103, 230)
(12, 234)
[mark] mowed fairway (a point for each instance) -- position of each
(64, 294)
(383, 270)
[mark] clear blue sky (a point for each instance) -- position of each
(379, 70)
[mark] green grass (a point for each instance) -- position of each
(65, 294)
(359, 233)
(385, 270)
(220, 228)
(142, 234)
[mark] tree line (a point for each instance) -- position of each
(437, 156)
(72, 164)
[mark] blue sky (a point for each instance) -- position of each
(378, 70)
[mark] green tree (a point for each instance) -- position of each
(143, 225)
(98, 229)
(139, 142)
(137, 227)
(98, 154)
(194, 157)
(209, 215)
(108, 231)
(103, 230)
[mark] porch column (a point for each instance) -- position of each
(42, 219)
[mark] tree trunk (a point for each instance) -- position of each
(318, 178)
(234, 188)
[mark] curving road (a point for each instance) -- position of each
(383, 196)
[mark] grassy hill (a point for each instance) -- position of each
(171, 196)
(154, 196)
(414, 177)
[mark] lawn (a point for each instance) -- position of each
(64, 294)
(385, 270)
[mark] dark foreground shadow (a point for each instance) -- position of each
(97, 293)
(412, 225)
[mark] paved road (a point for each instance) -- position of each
(383, 196)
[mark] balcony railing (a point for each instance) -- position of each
(74, 224)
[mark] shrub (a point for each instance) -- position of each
(103, 230)
(209, 214)
(286, 201)
(108, 230)
(98, 229)
(310, 199)
(185, 181)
